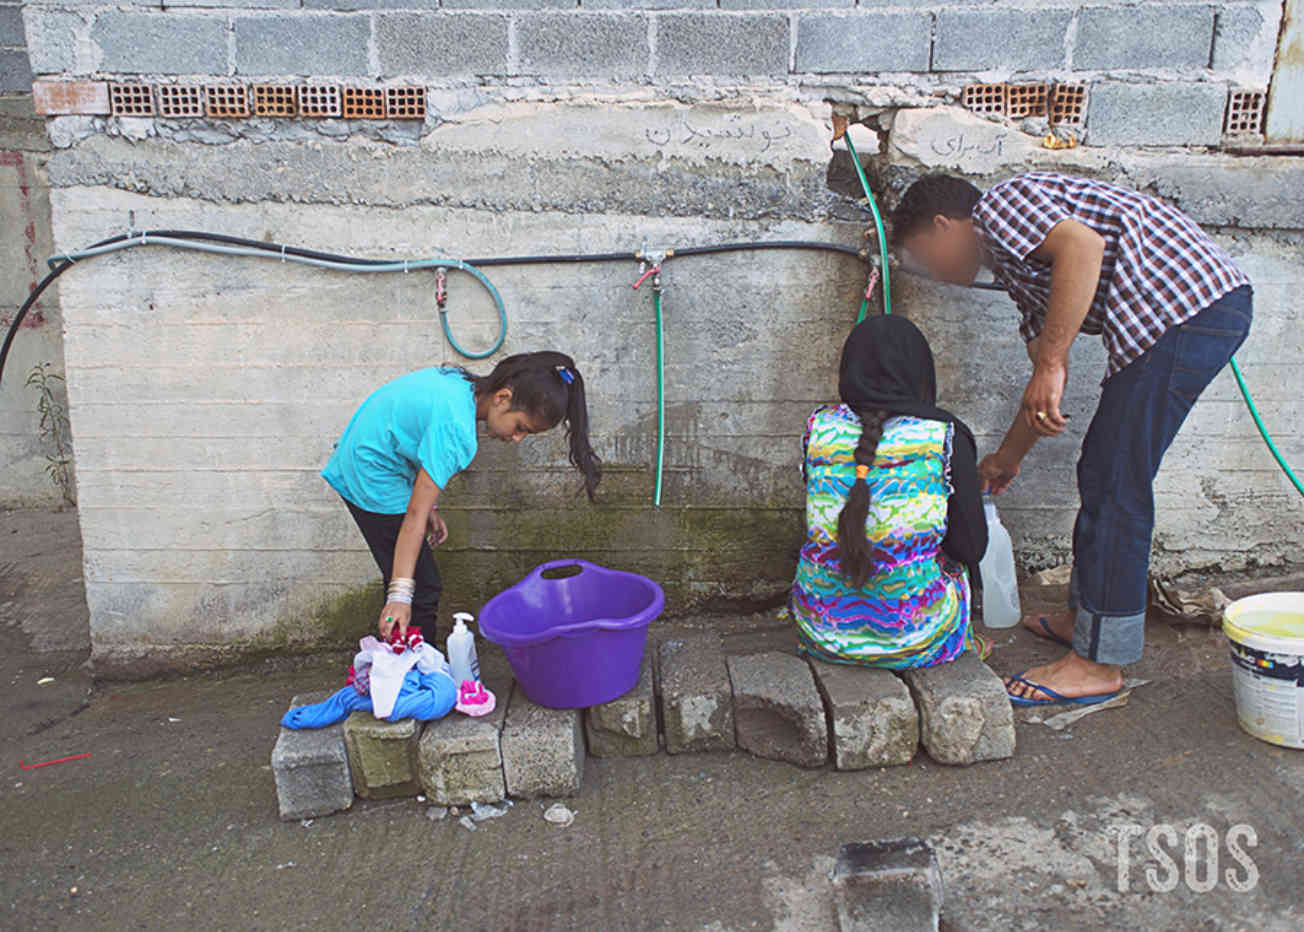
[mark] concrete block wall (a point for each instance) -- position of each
(207, 392)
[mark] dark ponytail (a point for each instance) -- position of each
(854, 551)
(549, 388)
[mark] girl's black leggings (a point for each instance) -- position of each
(381, 534)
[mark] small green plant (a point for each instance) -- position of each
(54, 429)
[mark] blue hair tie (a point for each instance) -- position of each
(566, 375)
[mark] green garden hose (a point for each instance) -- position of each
(882, 237)
(661, 394)
(1263, 431)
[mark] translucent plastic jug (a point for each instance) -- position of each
(1000, 584)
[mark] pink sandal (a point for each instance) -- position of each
(473, 699)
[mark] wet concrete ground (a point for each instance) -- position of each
(172, 819)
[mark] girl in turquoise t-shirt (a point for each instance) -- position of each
(414, 434)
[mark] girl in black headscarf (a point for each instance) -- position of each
(895, 524)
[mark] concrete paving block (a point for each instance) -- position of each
(625, 727)
(150, 43)
(11, 27)
(1170, 113)
(301, 43)
(469, 44)
(605, 45)
(311, 768)
(981, 39)
(460, 758)
(778, 713)
(696, 699)
(893, 885)
(382, 755)
(873, 721)
(1136, 37)
(964, 712)
(864, 41)
(722, 43)
(543, 749)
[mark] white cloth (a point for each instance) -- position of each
(387, 669)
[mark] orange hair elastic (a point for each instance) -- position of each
(862, 471)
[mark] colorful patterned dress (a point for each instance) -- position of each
(914, 611)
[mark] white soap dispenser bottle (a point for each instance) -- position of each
(461, 649)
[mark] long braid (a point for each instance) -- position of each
(856, 556)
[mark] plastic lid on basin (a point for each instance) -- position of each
(1271, 622)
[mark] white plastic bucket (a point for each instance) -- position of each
(1266, 633)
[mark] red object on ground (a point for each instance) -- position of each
(49, 762)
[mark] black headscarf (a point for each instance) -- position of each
(887, 365)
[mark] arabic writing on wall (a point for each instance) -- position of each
(704, 137)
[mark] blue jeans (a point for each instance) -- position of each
(1141, 408)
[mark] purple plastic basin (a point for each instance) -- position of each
(573, 631)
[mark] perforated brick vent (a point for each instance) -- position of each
(405, 103)
(985, 98)
(131, 100)
(1245, 113)
(275, 100)
(319, 100)
(180, 100)
(1068, 104)
(364, 103)
(1027, 100)
(227, 100)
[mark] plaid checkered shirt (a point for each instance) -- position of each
(1159, 269)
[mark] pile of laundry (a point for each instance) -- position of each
(404, 678)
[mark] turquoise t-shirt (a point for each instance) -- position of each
(422, 420)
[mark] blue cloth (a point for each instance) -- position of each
(422, 420)
(1141, 408)
(423, 696)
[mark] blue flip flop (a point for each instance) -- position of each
(1055, 698)
(1050, 634)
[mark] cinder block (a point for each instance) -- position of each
(1148, 37)
(508, 4)
(722, 43)
(778, 713)
(866, 41)
(649, 4)
(11, 27)
(460, 758)
(625, 727)
(52, 38)
(15, 71)
(696, 698)
(965, 715)
(152, 43)
(382, 755)
(302, 43)
(1170, 113)
(311, 768)
(605, 45)
(785, 4)
(894, 884)
(872, 719)
(543, 749)
(982, 39)
(1237, 30)
(54, 98)
(467, 43)
(371, 4)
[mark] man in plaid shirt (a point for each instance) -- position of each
(1081, 256)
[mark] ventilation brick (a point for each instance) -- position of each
(319, 100)
(227, 100)
(364, 103)
(1068, 104)
(405, 103)
(1027, 100)
(180, 100)
(275, 100)
(1245, 113)
(131, 100)
(985, 98)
